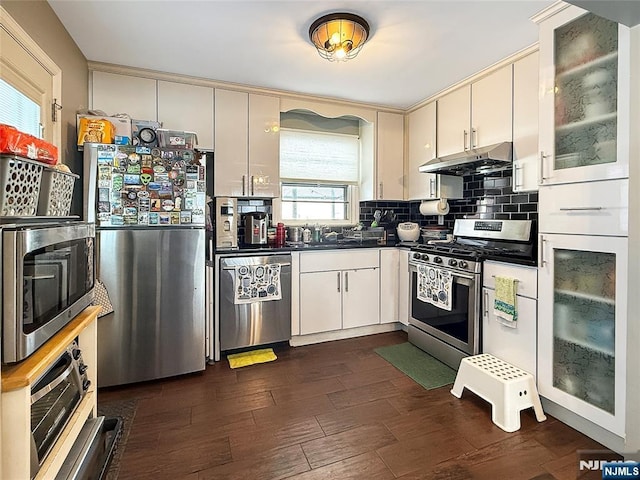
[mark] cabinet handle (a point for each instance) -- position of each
(580, 209)
(338, 281)
(517, 177)
(346, 281)
(380, 194)
(253, 184)
(432, 187)
(486, 303)
(542, 178)
(541, 250)
(243, 182)
(464, 140)
(474, 138)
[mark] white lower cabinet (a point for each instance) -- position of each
(404, 286)
(582, 333)
(389, 284)
(339, 290)
(320, 302)
(360, 298)
(518, 345)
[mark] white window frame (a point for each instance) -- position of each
(353, 197)
(31, 47)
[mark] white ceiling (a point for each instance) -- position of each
(416, 48)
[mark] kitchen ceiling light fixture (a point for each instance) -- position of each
(339, 36)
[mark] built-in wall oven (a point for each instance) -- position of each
(446, 284)
(48, 278)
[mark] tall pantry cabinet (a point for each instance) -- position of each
(584, 217)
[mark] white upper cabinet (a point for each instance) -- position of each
(247, 141)
(113, 93)
(422, 148)
(264, 146)
(185, 107)
(584, 106)
(390, 157)
(476, 115)
(525, 123)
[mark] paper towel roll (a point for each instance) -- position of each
(434, 207)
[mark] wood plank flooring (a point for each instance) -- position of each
(335, 410)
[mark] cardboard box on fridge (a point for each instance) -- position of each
(121, 126)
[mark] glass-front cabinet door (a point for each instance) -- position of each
(584, 98)
(582, 326)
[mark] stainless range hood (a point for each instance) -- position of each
(477, 160)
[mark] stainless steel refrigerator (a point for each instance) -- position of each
(149, 208)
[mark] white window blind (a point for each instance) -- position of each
(319, 156)
(18, 110)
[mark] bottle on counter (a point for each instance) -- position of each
(280, 235)
(306, 235)
(316, 233)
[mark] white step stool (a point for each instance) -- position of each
(506, 387)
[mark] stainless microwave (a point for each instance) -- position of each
(47, 279)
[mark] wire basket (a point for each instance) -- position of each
(56, 193)
(20, 180)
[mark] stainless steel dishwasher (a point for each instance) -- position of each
(254, 300)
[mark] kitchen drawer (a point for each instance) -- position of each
(343, 260)
(527, 277)
(591, 208)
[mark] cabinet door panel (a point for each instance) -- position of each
(135, 96)
(231, 133)
(584, 108)
(264, 145)
(422, 148)
(525, 123)
(390, 157)
(491, 108)
(582, 332)
(403, 287)
(320, 302)
(389, 278)
(454, 119)
(360, 298)
(187, 107)
(514, 345)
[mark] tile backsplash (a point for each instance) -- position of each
(487, 196)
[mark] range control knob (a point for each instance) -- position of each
(416, 256)
(86, 384)
(463, 264)
(76, 353)
(453, 262)
(425, 257)
(82, 368)
(437, 259)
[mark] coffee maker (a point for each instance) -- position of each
(226, 223)
(255, 228)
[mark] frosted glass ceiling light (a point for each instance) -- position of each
(339, 36)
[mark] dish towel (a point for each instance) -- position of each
(435, 286)
(256, 283)
(504, 305)
(101, 299)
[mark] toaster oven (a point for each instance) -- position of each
(55, 396)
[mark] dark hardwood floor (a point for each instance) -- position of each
(335, 410)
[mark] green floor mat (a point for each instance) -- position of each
(420, 366)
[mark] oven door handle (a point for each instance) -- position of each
(413, 268)
(53, 383)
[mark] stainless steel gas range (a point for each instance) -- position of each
(446, 284)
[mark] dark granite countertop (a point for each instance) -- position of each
(307, 247)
